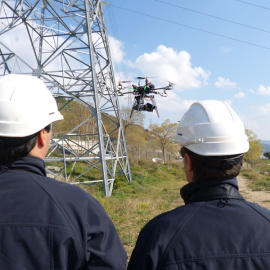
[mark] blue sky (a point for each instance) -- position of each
(210, 49)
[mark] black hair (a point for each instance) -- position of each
(13, 148)
(213, 167)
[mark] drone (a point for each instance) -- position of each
(144, 96)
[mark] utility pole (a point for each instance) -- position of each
(65, 43)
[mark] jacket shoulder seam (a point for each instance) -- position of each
(173, 237)
(256, 210)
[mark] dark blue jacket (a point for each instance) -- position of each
(216, 230)
(46, 224)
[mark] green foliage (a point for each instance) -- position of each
(263, 184)
(82, 168)
(251, 174)
(136, 119)
(255, 148)
(258, 180)
(162, 134)
(135, 134)
(135, 139)
(263, 166)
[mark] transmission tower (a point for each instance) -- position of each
(65, 43)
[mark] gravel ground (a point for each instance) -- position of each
(260, 197)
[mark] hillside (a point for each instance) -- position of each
(265, 146)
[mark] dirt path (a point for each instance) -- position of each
(260, 197)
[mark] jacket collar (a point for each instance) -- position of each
(28, 163)
(210, 190)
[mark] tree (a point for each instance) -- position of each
(136, 139)
(255, 148)
(128, 122)
(162, 135)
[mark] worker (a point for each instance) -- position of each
(216, 229)
(45, 224)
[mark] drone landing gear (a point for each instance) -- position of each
(139, 105)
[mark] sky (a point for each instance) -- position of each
(209, 49)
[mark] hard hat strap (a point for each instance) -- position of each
(222, 163)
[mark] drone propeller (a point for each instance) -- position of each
(144, 78)
(120, 84)
(169, 87)
(125, 81)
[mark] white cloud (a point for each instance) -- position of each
(116, 47)
(264, 108)
(169, 65)
(225, 83)
(263, 90)
(172, 107)
(256, 120)
(13, 40)
(240, 95)
(173, 104)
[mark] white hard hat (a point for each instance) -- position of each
(26, 106)
(212, 128)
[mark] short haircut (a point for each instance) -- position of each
(203, 169)
(14, 148)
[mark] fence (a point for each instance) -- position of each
(149, 155)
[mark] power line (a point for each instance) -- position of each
(193, 28)
(116, 34)
(212, 16)
(252, 4)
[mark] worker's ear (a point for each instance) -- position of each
(188, 162)
(188, 168)
(41, 138)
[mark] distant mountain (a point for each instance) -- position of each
(265, 146)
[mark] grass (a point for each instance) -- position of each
(259, 175)
(154, 189)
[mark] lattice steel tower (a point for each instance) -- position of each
(65, 43)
